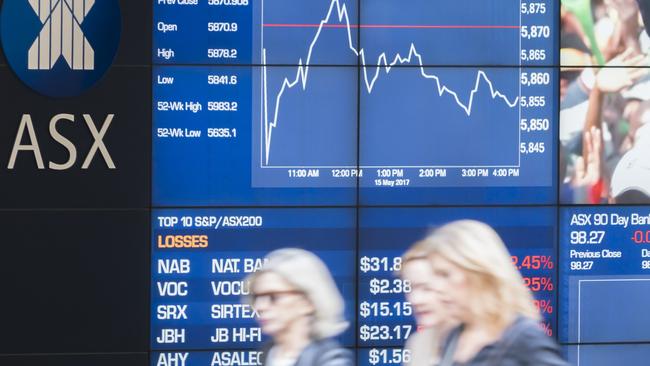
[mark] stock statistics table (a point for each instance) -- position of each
(201, 258)
(286, 102)
(605, 283)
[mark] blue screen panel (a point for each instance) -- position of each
(331, 94)
(201, 257)
(213, 145)
(202, 32)
(605, 287)
(457, 136)
(608, 354)
(468, 32)
(385, 234)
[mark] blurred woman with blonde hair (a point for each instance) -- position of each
(300, 308)
(433, 323)
(478, 286)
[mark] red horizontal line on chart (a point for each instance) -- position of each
(392, 26)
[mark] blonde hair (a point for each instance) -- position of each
(499, 293)
(420, 250)
(308, 274)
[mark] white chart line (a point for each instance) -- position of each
(302, 75)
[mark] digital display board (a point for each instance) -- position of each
(604, 274)
(368, 123)
(201, 258)
(386, 233)
(350, 128)
(334, 102)
(198, 288)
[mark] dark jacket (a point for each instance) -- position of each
(326, 352)
(522, 344)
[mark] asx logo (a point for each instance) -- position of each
(60, 48)
(26, 131)
(56, 39)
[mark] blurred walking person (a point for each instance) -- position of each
(433, 323)
(477, 284)
(300, 308)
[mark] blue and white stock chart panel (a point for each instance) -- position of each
(338, 102)
(605, 284)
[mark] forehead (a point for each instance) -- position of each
(417, 268)
(270, 281)
(438, 261)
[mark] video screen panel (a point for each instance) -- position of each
(340, 96)
(605, 135)
(386, 233)
(457, 136)
(510, 34)
(214, 145)
(201, 258)
(202, 32)
(604, 103)
(603, 274)
(353, 104)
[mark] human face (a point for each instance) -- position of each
(450, 283)
(424, 300)
(280, 306)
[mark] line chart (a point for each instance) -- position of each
(389, 94)
(302, 77)
(338, 12)
(354, 101)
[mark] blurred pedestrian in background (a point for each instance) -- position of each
(480, 289)
(300, 308)
(433, 322)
